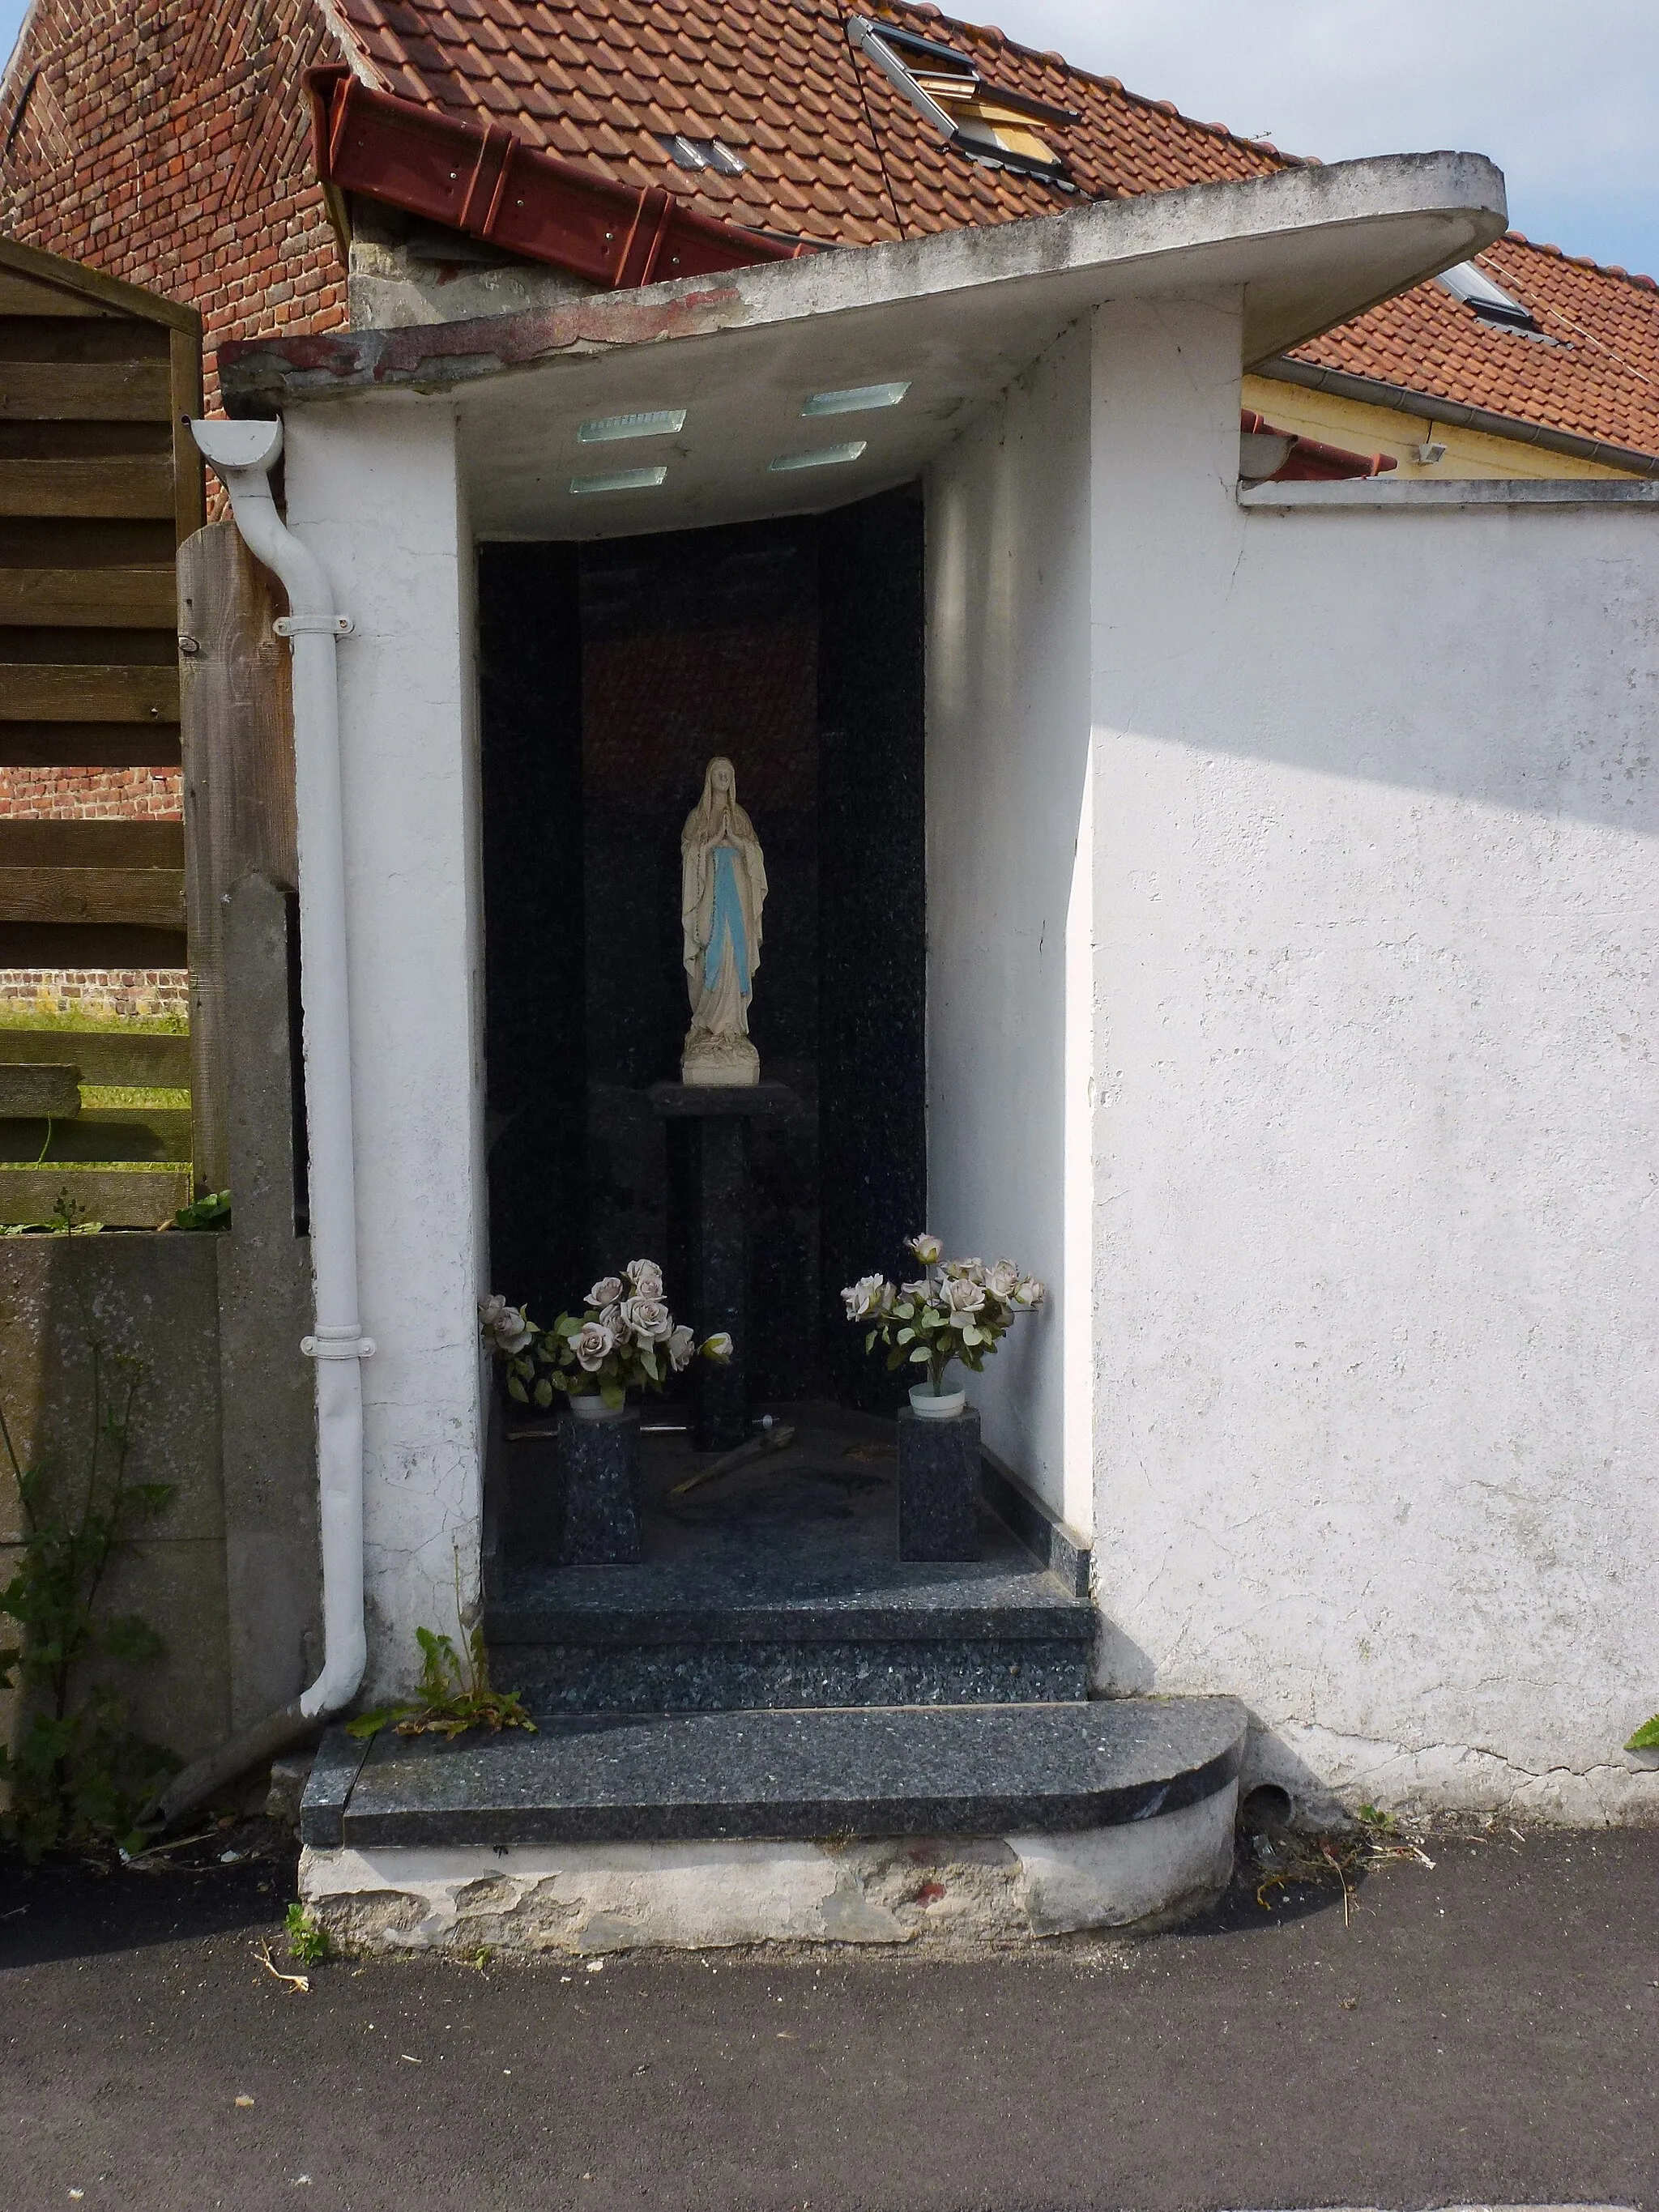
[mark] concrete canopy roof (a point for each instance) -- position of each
(957, 315)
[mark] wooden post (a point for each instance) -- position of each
(237, 741)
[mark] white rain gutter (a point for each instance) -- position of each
(242, 455)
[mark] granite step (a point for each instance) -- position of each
(963, 1771)
(711, 1633)
(780, 1587)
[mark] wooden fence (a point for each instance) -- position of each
(100, 486)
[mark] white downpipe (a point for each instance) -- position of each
(242, 455)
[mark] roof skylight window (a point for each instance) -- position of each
(856, 399)
(1489, 302)
(987, 122)
(702, 154)
(659, 422)
(821, 457)
(623, 480)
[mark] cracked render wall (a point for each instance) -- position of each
(373, 488)
(1375, 887)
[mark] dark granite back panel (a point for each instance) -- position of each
(530, 698)
(693, 645)
(610, 674)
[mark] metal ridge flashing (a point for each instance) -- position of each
(1457, 414)
(483, 180)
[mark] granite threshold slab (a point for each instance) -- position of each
(703, 1676)
(752, 1595)
(832, 1772)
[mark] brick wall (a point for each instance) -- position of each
(119, 993)
(91, 794)
(166, 142)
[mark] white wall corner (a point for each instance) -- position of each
(374, 487)
(1165, 531)
(1374, 807)
(1079, 1345)
(1007, 747)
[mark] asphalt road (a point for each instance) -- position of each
(1487, 2033)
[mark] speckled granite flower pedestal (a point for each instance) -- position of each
(939, 1487)
(598, 1462)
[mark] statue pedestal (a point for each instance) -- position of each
(707, 1132)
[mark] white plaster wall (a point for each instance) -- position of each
(1008, 592)
(1375, 887)
(373, 488)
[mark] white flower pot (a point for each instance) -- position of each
(943, 1407)
(590, 1407)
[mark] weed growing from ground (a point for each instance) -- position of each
(307, 1939)
(77, 1773)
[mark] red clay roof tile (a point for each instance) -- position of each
(779, 80)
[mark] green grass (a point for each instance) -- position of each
(22, 1017)
(96, 1095)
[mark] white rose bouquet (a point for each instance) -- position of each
(624, 1338)
(955, 1309)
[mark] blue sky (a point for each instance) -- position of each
(1564, 94)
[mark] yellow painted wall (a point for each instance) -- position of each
(1361, 429)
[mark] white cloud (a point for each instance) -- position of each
(1562, 93)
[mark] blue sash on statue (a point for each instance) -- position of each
(727, 921)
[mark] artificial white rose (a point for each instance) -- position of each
(718, 1347)
(646, 1277)
(508, 1328)
(926, 1249)
(592, 1345)
(1028, 1292)
(647, 1320)
(864, 1299)
(611, 1318)
(966, 1271)
(606, 1291)
(681, 1346)
(918, 1292)
(1002, 1280)
(961, 1299)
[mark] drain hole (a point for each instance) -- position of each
(1267, 1808)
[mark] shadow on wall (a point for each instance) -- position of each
(1505, 656)
(1122, 1669)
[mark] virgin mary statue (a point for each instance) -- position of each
(722, 890)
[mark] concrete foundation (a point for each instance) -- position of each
(945, 1893)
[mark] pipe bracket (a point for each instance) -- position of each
(337, 1344)
(321, 625)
